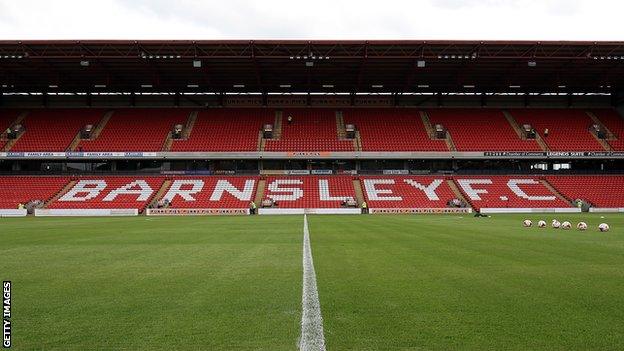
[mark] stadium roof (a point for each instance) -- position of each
(311, 66)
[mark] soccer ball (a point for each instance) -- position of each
(541, 224)
(603, 227)
(581, 226)
(527, 223)
(556, 224)
(566, 225)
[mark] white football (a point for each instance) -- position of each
(581, 226)
(541, 224)
(527, 223)
(566, 225)
(603, 227)
(556, 224)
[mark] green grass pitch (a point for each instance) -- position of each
(385, 283)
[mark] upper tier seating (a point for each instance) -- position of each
(22, 189)
(600, 191)
(507, 191)
(311, 130)
(406, 191)
(110, 192)
(136, 130)
(615, 123)
(480, 130)
(309, 191)
(54, 129)
(568, 128)
(212, 192)
(392, 130)
(226, 130)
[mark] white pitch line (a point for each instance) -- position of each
(312, 337)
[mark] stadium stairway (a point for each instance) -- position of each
(449, 142)
(261, 142)
(610, 135)
(340, 126)
(429, 128)
(277, 126)
(458, 194)
(605, 144)
(427, 123)
(10, 142)
(357, 187)
(94, 133)
(186, 132)
(342, 131)
(160, 193)
(357, 142)
(556, 192)
(190, 123)
(514, 124)
(61, 192)
(260, 192)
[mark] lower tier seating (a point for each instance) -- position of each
(406, 191)
(22, 189)
(508, 191)
(211, 192)
(381, 191)
(109, 192)
(309, 191)
(599, 191)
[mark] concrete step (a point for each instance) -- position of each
(62, 192)
(260, 192)
(555, 192)
(359, 195)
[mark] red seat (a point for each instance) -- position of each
(480, 130)
(389, 129)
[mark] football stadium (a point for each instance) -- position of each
(312, 195)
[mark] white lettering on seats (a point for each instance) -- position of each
(429, 190)
(90, 189)
(375, 194)
(324, 194)
(187, 194)
(225, 186)
(285, 194)
(144, 192)
(473, 194)
(513, 185)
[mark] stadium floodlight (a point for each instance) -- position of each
(285, 86)
(99, 86)
(192, 86)
(561, 86)
(377, 86)
(197, 63)
(146, 86)
(514, 86)
(469, 86)
(309, 63)
(423, 85)
(328, 85)
(420, 63)
(84, 63)
(532, 63)
(239, 85)
(53, 86)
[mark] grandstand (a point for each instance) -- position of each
(396, 136)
